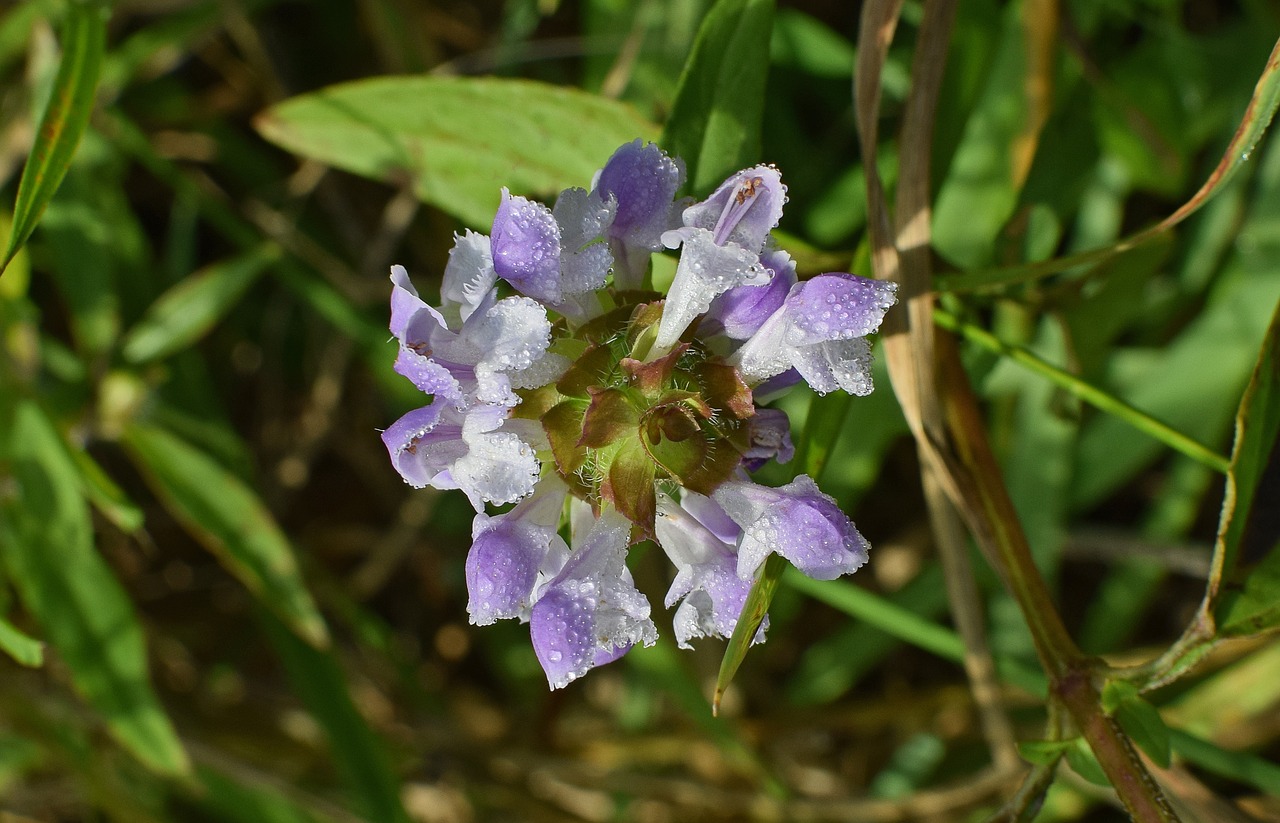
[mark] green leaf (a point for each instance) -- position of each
(987, 173)
(228, 518)
(1083, 762)
(744, 632)
(65, 118)
(1044, 752)
(1139, 719)
(48, 551)
(458, 141)
(26, 650)
(104, 494)
(357, 752)
(235, 802)
(716, 118)
(1257, 606)
(186, 312)
(1258, 115)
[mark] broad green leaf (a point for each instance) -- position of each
(744, 631)
(186, 312)
(1250, 499)
(65, 118)
(715, 120)
(457, 141)
(228, 518)
(357, 752)
(26, 650)
(48, 551)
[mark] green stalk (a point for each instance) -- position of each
(1087, 392)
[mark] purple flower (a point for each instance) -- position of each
(643, 181)
(498, 338)
(440, 446)
(796, 521)
(722, 239)
(700, 540)
(820, 331)
(590, 613)
(770, 439)
(742, 310)
(509, 551)
(583, 395)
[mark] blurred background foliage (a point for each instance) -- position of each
(249, 617)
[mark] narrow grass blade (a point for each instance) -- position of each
(357, 752)
(753, 612)
(26, 650)
(65, 118)
(228, 518)
(186, 312)
(1090, 394)
(715, 120)
(1257, 117)
(46, 540)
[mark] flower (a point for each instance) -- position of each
(701, 542)
(820, 331)
(591, 612)
(611, 413)
(796, 521)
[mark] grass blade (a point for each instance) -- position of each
(1258, 115)
(64, 121)
(229, 519)
(186, 312)
(47, 544)
(26, 650)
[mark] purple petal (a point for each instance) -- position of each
(836, 364)
(705, 271)
(770, 439)
(742, 310)
(405, 301)
(644, 181)
(837, 307)
(743, 210)
(502, 566)
(526, 247)
(428, 375)
(591, 612)
(796, 521)
(584, 260)
(424, 443)
(469, 274)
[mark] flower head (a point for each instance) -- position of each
(638, 411)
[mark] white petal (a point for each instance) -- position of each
(469, 273)
(704, 272)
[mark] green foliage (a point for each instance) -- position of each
(86, 615)
(457, 142)
(65, 118)
(199, 531)
(716, 116)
